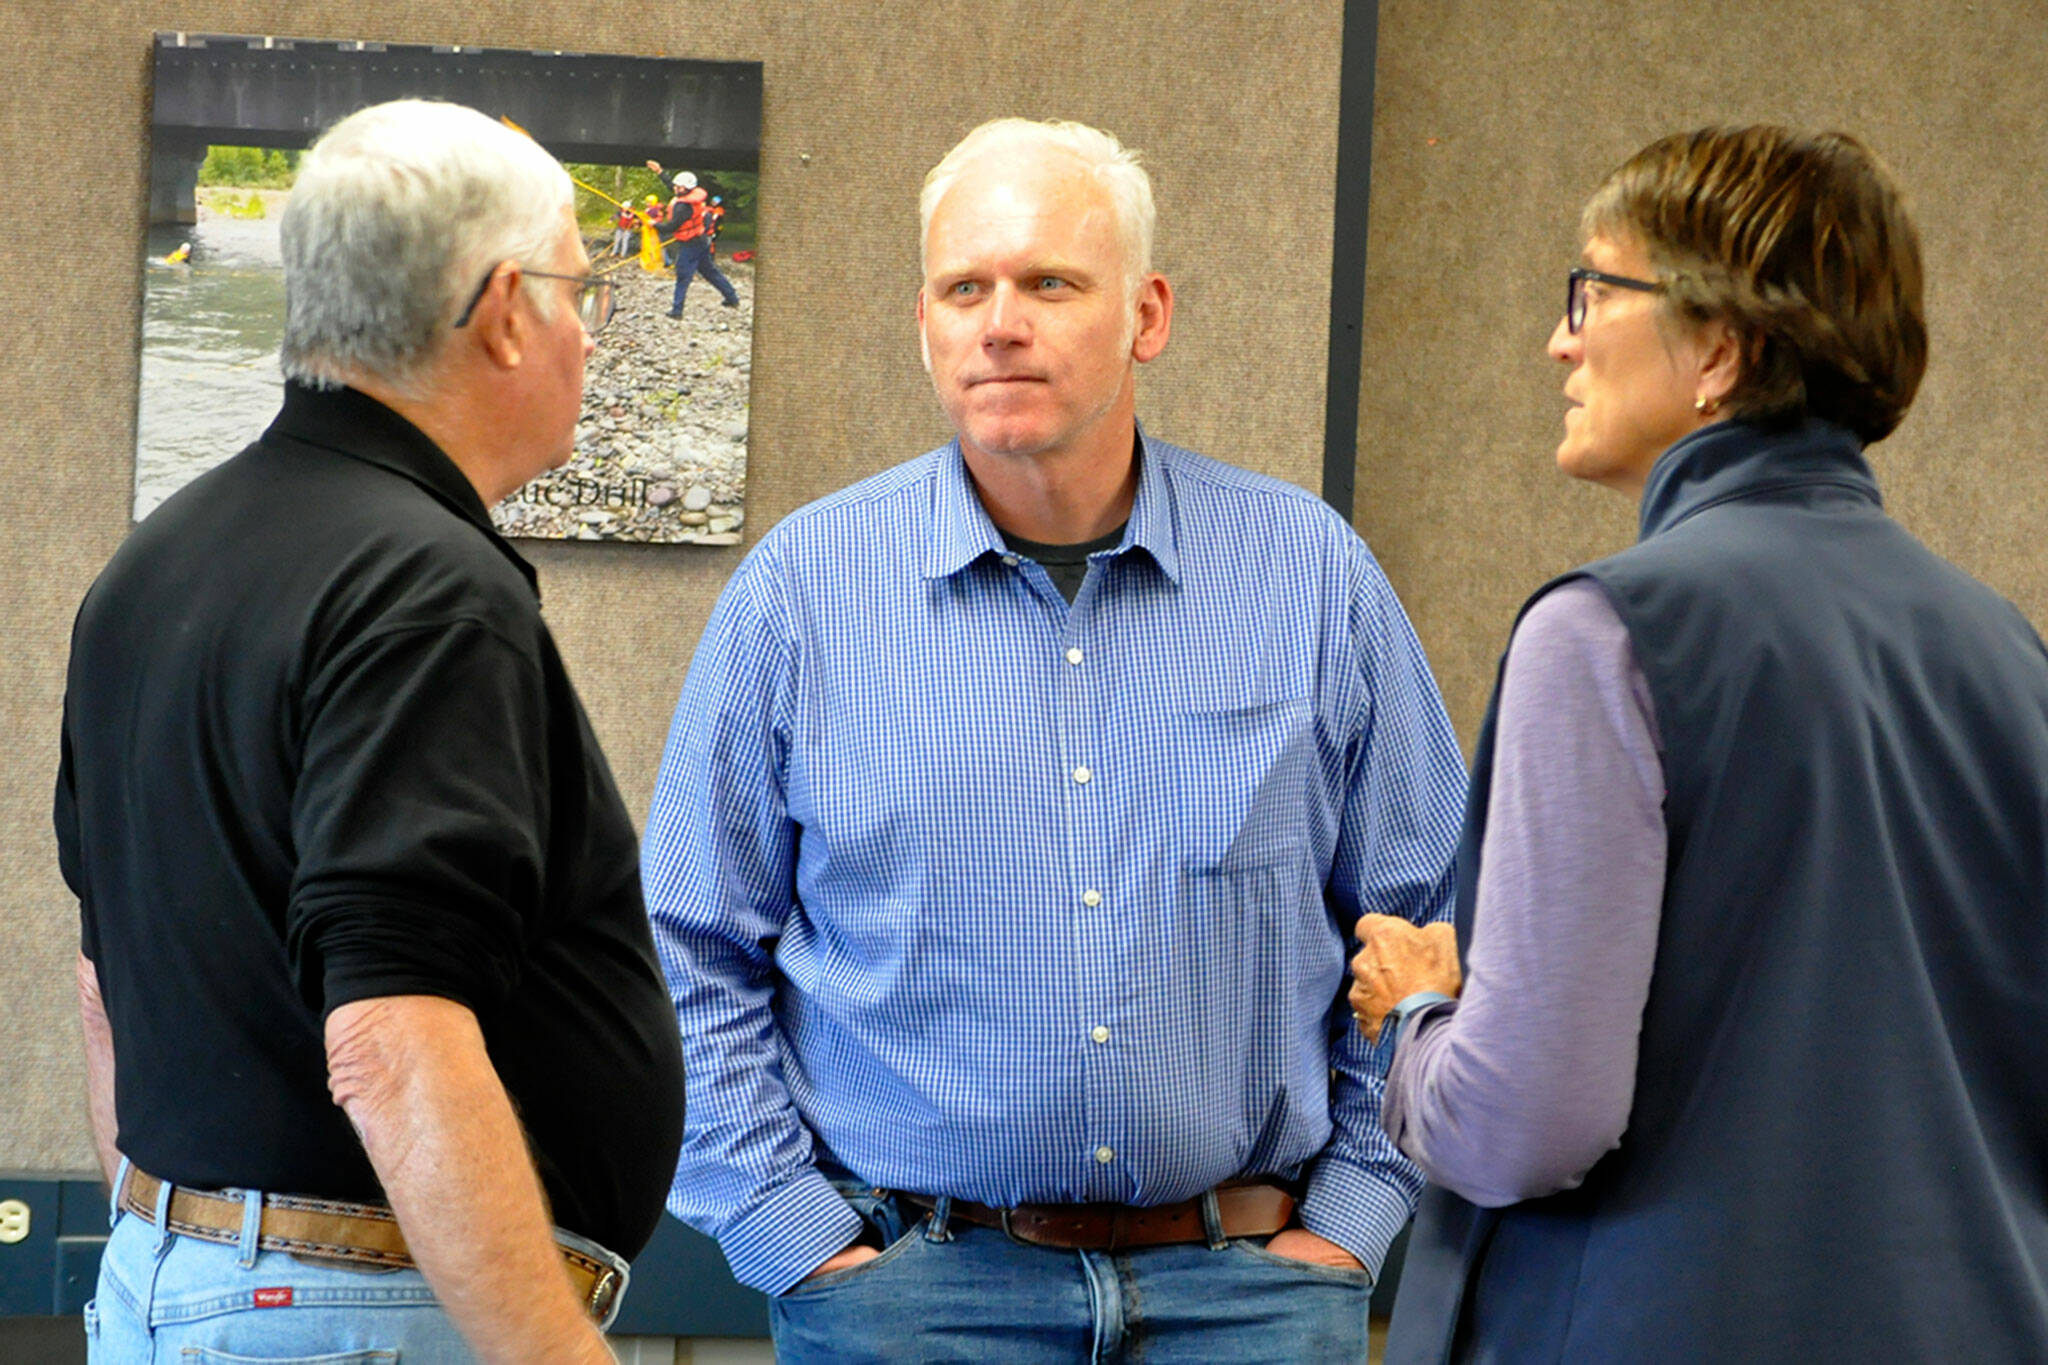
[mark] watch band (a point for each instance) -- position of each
(1414, 1004)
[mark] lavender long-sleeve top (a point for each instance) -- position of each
(1515, 1089)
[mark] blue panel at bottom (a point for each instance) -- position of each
(682, 1288)
(25, 1263)
(78, 1273)
(1389, 1282)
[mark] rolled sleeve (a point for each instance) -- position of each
(420, 819)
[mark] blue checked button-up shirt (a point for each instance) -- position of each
(985, 896)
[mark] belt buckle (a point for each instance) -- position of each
(603, 1291)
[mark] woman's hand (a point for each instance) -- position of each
(1395, 960)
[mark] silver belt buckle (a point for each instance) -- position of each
(602, 1303)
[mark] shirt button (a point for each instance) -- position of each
(1104, 1155)
(1082, 774)
(1091, 898)
(1010, 560)
(1073, 656)
(1099, 1033)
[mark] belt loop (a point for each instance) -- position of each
(1212, 1221)
(938, 1229)
(120, 1186)
(252, 1224)
(163, 1217)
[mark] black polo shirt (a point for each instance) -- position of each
(319, 747)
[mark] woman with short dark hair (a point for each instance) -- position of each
(1743, 1062)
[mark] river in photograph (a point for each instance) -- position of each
(210, 329)
(660, 451)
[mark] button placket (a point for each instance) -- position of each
(1102, 1105)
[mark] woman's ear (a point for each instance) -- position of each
(1721, 361)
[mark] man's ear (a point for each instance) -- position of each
(1155, 318)
(498, 325)
(924, 342)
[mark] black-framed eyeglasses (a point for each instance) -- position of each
(1575, 292)
(596, 299)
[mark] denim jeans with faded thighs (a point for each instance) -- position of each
(944, 1290)
(168, 1298)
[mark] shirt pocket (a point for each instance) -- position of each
(1243, 785)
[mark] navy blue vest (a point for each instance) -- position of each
(1838, 1148)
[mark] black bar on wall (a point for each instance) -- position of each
(1347, 255)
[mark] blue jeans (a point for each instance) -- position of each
(694, 258)
(172, 1298)
(943, 1290)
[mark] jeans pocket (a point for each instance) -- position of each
(881, 1211)
(823, 1284)
(1359, 1277)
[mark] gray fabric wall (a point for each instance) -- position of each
(1495, 122)
(860, 99)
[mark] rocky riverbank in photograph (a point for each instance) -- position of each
(661, 450)
(661, 446)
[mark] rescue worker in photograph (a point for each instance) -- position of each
(1753, 895)
(380, 1060)
(1008, 839)
(688, 223)
(625, 232)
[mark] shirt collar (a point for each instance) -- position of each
(1741, 459)
(963, 533)
(349, 422)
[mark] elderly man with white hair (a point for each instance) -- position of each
(1011, 829)
(379, 1055)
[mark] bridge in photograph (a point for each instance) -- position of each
(213, 90)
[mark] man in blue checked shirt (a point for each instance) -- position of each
(1009, 838)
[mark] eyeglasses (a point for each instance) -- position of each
(595, 298)
(1575, 292)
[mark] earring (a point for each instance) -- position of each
(1706, 405)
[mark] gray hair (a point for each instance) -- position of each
(1114, 166)
(398, 213)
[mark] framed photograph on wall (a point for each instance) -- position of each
(664, 153)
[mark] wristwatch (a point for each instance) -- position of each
(1412, 1005)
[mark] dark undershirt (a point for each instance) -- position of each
(1067, 565)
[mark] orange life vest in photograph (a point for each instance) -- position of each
(685, 214)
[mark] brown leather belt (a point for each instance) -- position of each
(1246, 1208)
(329, 1230)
